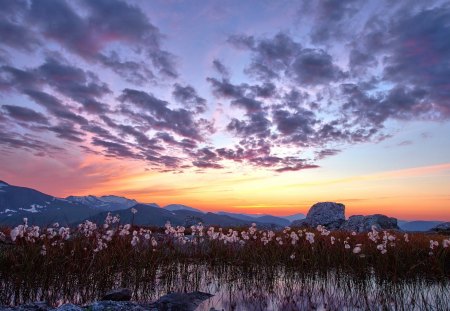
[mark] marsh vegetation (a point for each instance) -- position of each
(245, 268)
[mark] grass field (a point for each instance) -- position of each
(78, 265)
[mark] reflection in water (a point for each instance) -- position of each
(247, 288)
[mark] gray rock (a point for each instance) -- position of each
(328, 214)
(68, 307)
(359, 223)
(119, 306)
(442, 228)
(34, 306)
(181, 301)
(169, 302)
(120, 294)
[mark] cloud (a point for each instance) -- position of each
(225, 89)
(204, 164)
(25, 114)
(132, 71)
(75, 83)
(257, 124)
(221, 69)
(105, 23)
(27, 142)
(419, 57)
(67, 131)
(17, 36)
(12, 29)
(159, 116)
(281, 56)
(297, 167)
(299, 124)
(341, 80)
(206, 158)
(329, 18)
(12, 77)
(55, 107)
(324, 153)
(114, 149)
(188, 96)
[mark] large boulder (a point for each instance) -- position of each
(328, 214)
(181, 301)
(359, 223)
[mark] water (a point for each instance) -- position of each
(246, 288)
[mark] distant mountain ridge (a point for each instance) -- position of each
(105, 203)
(258, 218)
(40, 208)
(17, 203)
(419, 225)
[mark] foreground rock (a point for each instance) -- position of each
(121, 294)
(179, 301)
(169, 302)
(328, 214)
(117, 306)
(442, 228)
(359, 223)
(34, 306)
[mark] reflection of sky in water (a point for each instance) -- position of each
(323, 293)
(246, 289)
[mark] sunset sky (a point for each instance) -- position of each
(243, 106)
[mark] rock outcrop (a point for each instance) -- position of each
(332, 216)
(360, 223)
(171, 301)
(328, 214)
(181, 301)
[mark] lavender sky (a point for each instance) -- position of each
(260, 106)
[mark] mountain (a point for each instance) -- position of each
(419, 225)
(281, 221)
(177, 207)
(239, 216)
(294, 217)
(43, 209)
(273, 220)
(40, 209)
(104, 203)
(147, 215)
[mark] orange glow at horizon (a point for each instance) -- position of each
(412, 193)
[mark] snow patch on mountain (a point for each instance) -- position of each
(119, 200)
(177, 207)
(106, 202)
(31, 210)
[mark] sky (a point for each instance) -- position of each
(243, 106)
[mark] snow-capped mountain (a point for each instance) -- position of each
(40, 208)
(177, 207)
(104, 203)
